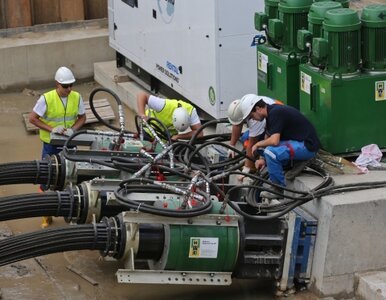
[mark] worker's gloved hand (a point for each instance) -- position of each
(231, 153)
(58, 130)
(69, 131)
(245, 170)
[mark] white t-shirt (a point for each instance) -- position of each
(40, 107)
(157, 104)
(257, 127)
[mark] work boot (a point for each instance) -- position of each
(46, 221)
(270, 196)
(298, 167)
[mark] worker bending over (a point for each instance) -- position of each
(176, 115)
(290, 136)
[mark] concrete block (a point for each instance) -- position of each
(372, 285)
(105, 74)
(30, 59)
(350, 237)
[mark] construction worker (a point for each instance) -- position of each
(256, 130)
(176, 115)
(59, 111)
(290, 136)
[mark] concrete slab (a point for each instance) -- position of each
(30, 59)
(372, 285)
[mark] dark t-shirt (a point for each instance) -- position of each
(292, 125)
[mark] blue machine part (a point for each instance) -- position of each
(302, 248)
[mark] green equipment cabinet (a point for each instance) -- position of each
(278, 60)
(344, 96)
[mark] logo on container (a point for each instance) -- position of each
(166, 9)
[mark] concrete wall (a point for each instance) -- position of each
(351, 235)
(30, 59)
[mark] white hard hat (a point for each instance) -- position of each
(235, 116)
(181, 120)
(64, 75)
(247, 104)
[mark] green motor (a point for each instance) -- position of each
(340, 46)
(271, 8)
(292, 17)
(344, 3)
(374, 37)
(316, 16)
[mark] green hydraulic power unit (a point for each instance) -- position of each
(342, 89)
(278, 59)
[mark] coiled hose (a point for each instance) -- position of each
(107, 237)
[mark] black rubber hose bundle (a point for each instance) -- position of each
(58, 204)
(104, 236)
(34, 172)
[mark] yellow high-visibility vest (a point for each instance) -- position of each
(57, 114)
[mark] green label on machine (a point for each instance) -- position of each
(203, 247)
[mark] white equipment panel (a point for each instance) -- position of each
(200, 48)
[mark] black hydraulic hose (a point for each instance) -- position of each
(226, 162)
(116, 98)
(194, 138)
(184, 148)
(215, 137)
(131, 166)
(145, 185)
(105, 161)
(160, 129)
(34, 172)
(106, 237)
(264, 213)
(270, 41)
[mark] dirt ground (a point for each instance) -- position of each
(48, 277)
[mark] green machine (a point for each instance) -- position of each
(272, 8)
(342, 88)
(315, 26)
(344, 3)
(278, 60)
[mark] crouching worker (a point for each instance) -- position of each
(290, 137)
(176, 115)
(256, 128)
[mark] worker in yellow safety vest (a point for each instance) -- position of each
(177, 115)
(59, 111)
